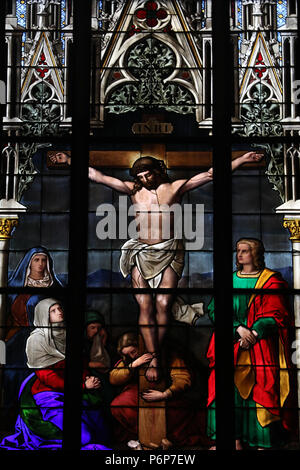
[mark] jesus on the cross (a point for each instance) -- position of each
(152, 260)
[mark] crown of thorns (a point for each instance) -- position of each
(147, 163)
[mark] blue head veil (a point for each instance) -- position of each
(17, 279)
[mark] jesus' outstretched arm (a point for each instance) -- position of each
(114, 183)
(207, 176)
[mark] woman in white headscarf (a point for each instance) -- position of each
(46, 344)
(40, 422)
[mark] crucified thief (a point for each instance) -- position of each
(151, 259)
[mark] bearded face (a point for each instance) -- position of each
(149, 179)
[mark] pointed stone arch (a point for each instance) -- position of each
(261, 69)
(42, 92)
(42, 66)
(132, 29)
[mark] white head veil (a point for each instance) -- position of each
(46, 343)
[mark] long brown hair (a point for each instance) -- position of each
(257, 251)
(138, 185)
(151, 164)
(130, 338)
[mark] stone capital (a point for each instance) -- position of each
(6, 227)
(294, 227)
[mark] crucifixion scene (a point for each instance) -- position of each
(144, 218)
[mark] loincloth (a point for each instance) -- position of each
(152, 260)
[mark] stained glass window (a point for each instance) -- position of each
(149, 226)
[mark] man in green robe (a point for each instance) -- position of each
(263, 371)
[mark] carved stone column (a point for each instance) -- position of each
(9, 210)
(293, 224)
(290, 210)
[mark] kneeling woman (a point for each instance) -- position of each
(41, 397)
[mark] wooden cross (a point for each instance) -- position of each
(172, 159)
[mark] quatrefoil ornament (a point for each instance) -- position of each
(151, 14)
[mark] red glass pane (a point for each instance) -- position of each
(152, 22)
(141, 14)
(161, 14)
(151, 6)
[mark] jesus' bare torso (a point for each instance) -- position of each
(152, 200)
(152, 214)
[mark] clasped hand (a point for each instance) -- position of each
(247, 337)
(92, 383)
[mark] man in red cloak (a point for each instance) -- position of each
(263, 373)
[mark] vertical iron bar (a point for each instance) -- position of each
(296, 58)
(3, 67)
(78, 224)
(223, 95)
